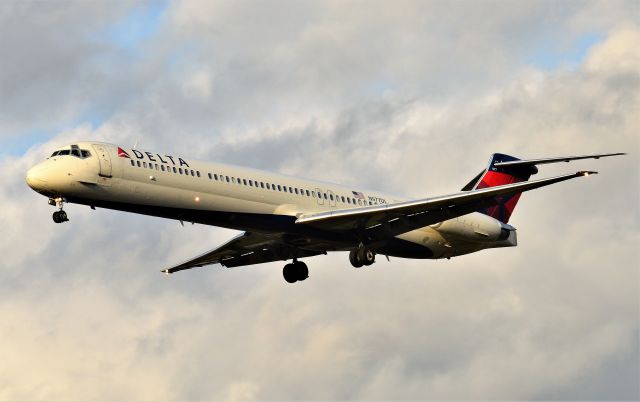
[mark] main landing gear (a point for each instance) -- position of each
(58, 216)
(362, 256)
(296, 271)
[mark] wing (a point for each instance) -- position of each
(383, 221)
(246, 249)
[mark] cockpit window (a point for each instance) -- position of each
(74, 151)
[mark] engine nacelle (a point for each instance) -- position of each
(475, 227)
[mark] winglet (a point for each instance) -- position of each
(587, 172)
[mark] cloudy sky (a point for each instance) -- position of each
(405, 97)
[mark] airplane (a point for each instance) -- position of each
(289, 218)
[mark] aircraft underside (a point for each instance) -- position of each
(305, 240)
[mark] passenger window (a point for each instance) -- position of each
(296, 191)
(157, 167)
(162, 167)
(215, 176)
(359, 202)
(268, 186)
(331, 197)
(313, 194)
(228, 179)
(342, 197)
(180, 170)
(175, 170)
(193, 173)
(307, 192)
(262, 184)
(325, 195)
(210, 177)
(144, 164)
(133, 163)
(198, 173)
(244, 181)
(279, 188)
(138, 163)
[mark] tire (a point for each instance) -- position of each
(366, 256)
(56, 217)
(289, 273)
(354, 260)
(302, 271)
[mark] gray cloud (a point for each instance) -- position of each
(352, 94)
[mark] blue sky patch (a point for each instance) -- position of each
(549, 54)
(140, 23)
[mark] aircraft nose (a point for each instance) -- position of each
(36, 177)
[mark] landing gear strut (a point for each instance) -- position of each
(296, 271)
(362, 256)
(58, 216)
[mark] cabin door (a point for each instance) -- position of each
(104, 159)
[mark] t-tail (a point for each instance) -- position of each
(506, 169)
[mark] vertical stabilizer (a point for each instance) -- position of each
(494, 176)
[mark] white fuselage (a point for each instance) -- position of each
(239, 198)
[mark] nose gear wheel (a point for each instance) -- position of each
(58, 216)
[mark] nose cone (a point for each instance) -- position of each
(37, 178)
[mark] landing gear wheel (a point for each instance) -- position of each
(58, 216)
(354, 260)
(301, 269)
(366, 256)
(289, 273)
(296, 271)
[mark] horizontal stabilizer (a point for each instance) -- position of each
(532, 162)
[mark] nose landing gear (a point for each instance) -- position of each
(58, 216)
